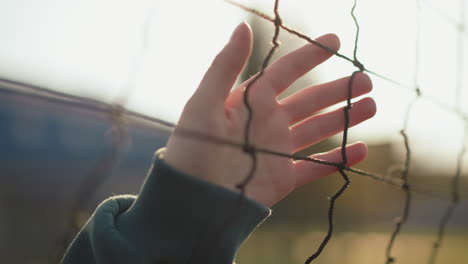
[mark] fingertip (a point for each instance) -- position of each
(247, 34)
(237, 31)
(241, 42)
(360, 151)
(242, 33)
(370, 107)
(364, 81)
(247, 26)
(373, 106)
(330, 40)
(335, 42)
(226, 67)
(361, 146)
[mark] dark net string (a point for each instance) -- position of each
(248, 147)
(342, 165)
(406, 187)
(454, 201)
(378, 177)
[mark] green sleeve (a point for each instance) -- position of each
(177, 218)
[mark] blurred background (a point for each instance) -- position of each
(149, 55)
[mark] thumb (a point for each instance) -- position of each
(225, 69)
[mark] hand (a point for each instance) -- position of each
(285, 126)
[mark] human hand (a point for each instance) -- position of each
(284, 126)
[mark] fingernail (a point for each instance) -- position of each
(236, 31)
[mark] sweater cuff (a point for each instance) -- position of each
(184, 219)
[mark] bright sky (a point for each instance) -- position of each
(94, 47)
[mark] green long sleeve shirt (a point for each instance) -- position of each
(176, 218)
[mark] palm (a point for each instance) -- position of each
(284, 126)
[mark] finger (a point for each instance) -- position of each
(225, 69)
(319, 127)
(287, 69)
(313, 99)
(308, 171)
